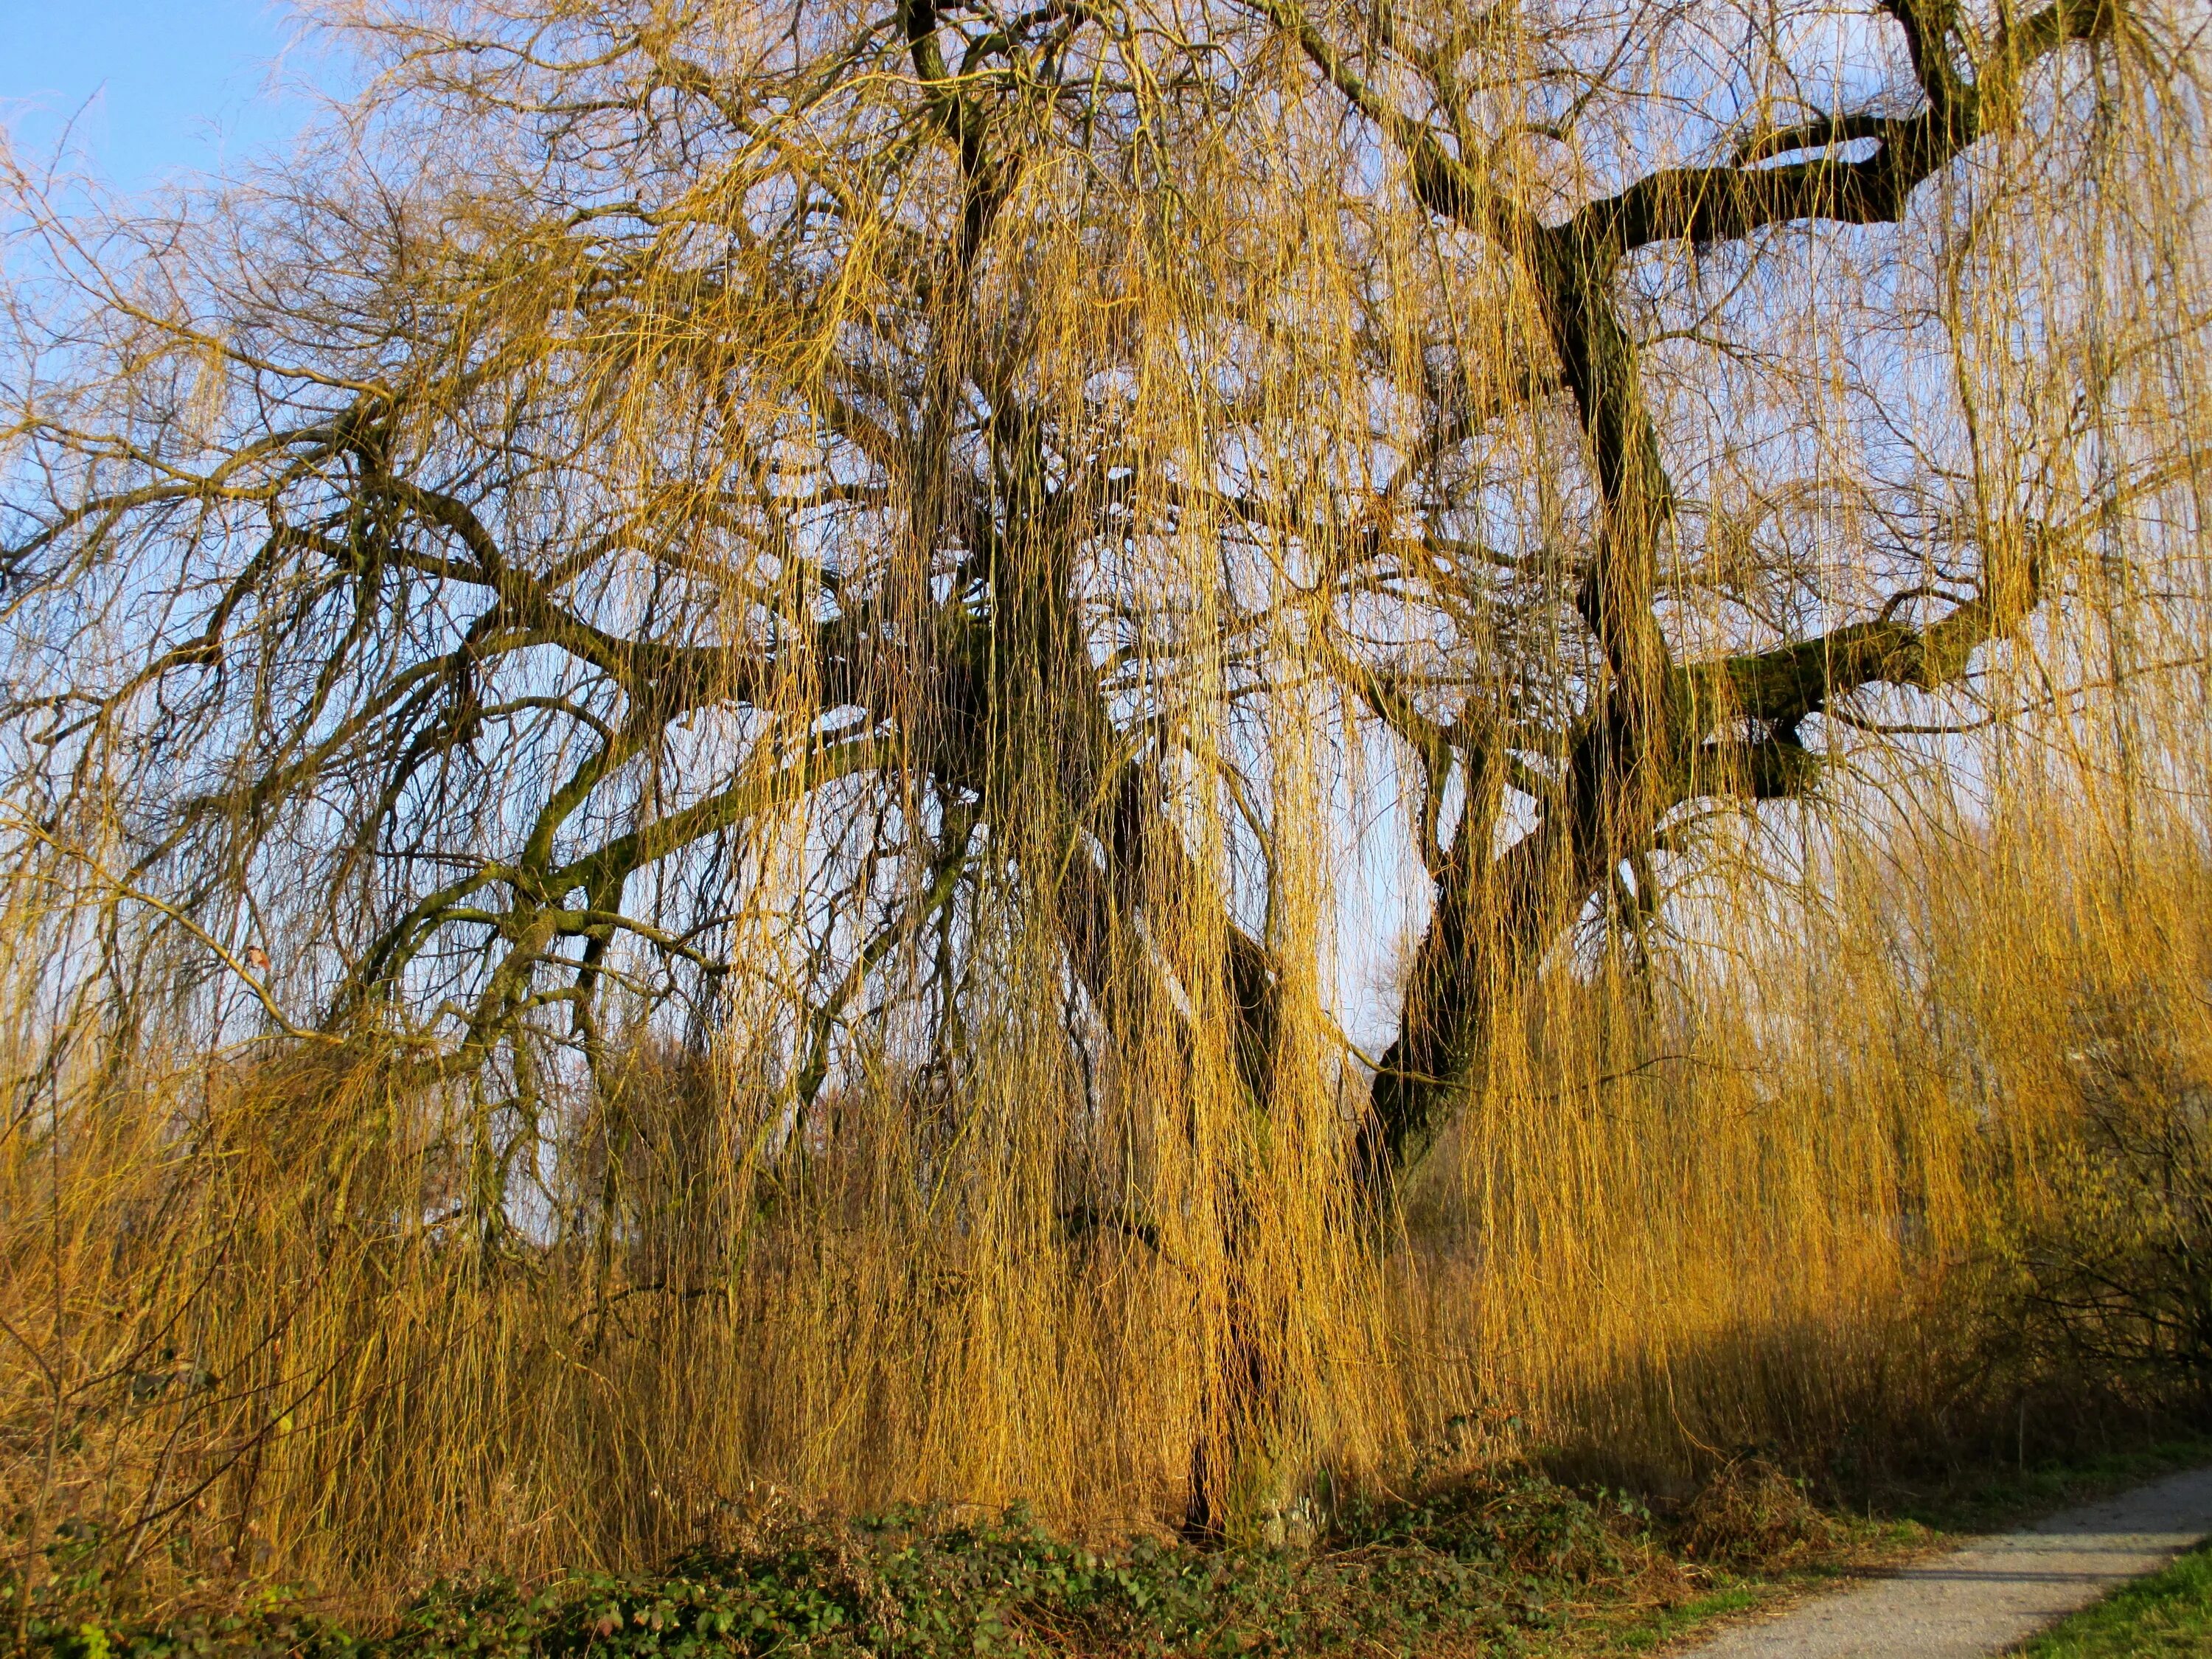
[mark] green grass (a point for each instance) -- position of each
(1663, 1625)
(1988, 1500)
(2168, 1613)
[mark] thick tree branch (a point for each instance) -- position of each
(1788, 683)
(1711, 204)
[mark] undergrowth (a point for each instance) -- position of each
(1477, 1566)
(1504, 1561)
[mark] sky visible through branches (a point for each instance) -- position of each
(138, 91)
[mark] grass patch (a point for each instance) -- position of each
(1987, 1499)
(2169, 1612)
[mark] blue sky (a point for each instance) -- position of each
(155, 88)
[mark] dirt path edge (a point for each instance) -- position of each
(1991, 1593)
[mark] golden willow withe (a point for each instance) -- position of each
(760, 612)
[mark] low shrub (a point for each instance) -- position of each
(1751, 1513)
(1480, 1562)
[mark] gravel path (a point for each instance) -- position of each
(1982, 1599)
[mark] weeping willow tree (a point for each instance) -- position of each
(901, 545)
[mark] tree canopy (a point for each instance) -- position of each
(901, 538)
